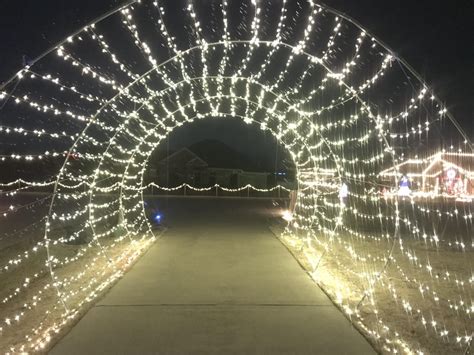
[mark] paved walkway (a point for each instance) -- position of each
(218, 282)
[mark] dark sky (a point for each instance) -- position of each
(435, 37)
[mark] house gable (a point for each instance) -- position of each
(183, 158)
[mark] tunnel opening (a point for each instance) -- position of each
(218, 158)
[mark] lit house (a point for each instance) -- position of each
(441, 173)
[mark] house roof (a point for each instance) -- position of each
(216, 154)
(466, 162)
(219, 155)
(184, 155)
(421, 167)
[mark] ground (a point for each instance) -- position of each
(395, 309)
(218, 270)
(218, 281)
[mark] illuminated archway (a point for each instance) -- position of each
(326, 89)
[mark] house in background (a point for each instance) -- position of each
(444, 173)
(182, 166)
(210, 162)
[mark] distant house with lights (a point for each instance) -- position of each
(441, 173)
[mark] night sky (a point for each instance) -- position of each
(435, 37)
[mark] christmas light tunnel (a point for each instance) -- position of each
(329, 92)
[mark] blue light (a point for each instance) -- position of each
(157, 218)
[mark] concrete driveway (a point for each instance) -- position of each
(218, 282)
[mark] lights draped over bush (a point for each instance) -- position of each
(344, 106)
